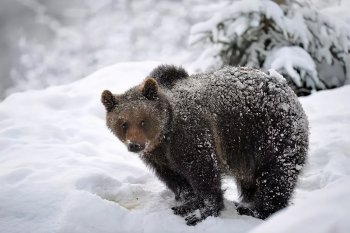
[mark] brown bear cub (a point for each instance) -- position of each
(192, 130)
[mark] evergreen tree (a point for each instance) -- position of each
(291, 37)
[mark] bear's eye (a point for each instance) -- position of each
(125, 126)
(142, 124)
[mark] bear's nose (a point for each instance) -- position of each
(135, 147)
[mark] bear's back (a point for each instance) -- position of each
(232, 89)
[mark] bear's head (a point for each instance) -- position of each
(139, 117)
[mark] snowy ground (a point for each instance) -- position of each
(63, 171)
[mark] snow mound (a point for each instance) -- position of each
(63, 171)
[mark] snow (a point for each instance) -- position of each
(278, 76)
(270, 8)
(288, 59)
(103, 33)
(63, 171)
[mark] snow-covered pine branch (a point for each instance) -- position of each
(304, 45)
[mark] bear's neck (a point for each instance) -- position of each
(159, 152)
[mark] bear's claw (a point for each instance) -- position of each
(192, 220)
(242, 210)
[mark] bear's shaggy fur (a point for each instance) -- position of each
(193, 129)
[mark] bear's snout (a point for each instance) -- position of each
(135, 147)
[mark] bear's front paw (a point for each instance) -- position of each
(183, 210)
(193, 219)
(245, 208)
(188, 207)
(241, 210)
(201, 214)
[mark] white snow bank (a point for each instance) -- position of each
(63, 171)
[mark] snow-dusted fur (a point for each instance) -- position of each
(235, 121)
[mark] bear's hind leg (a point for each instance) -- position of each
(274, 190)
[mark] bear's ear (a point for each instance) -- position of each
(150, 89)
(108, 100)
